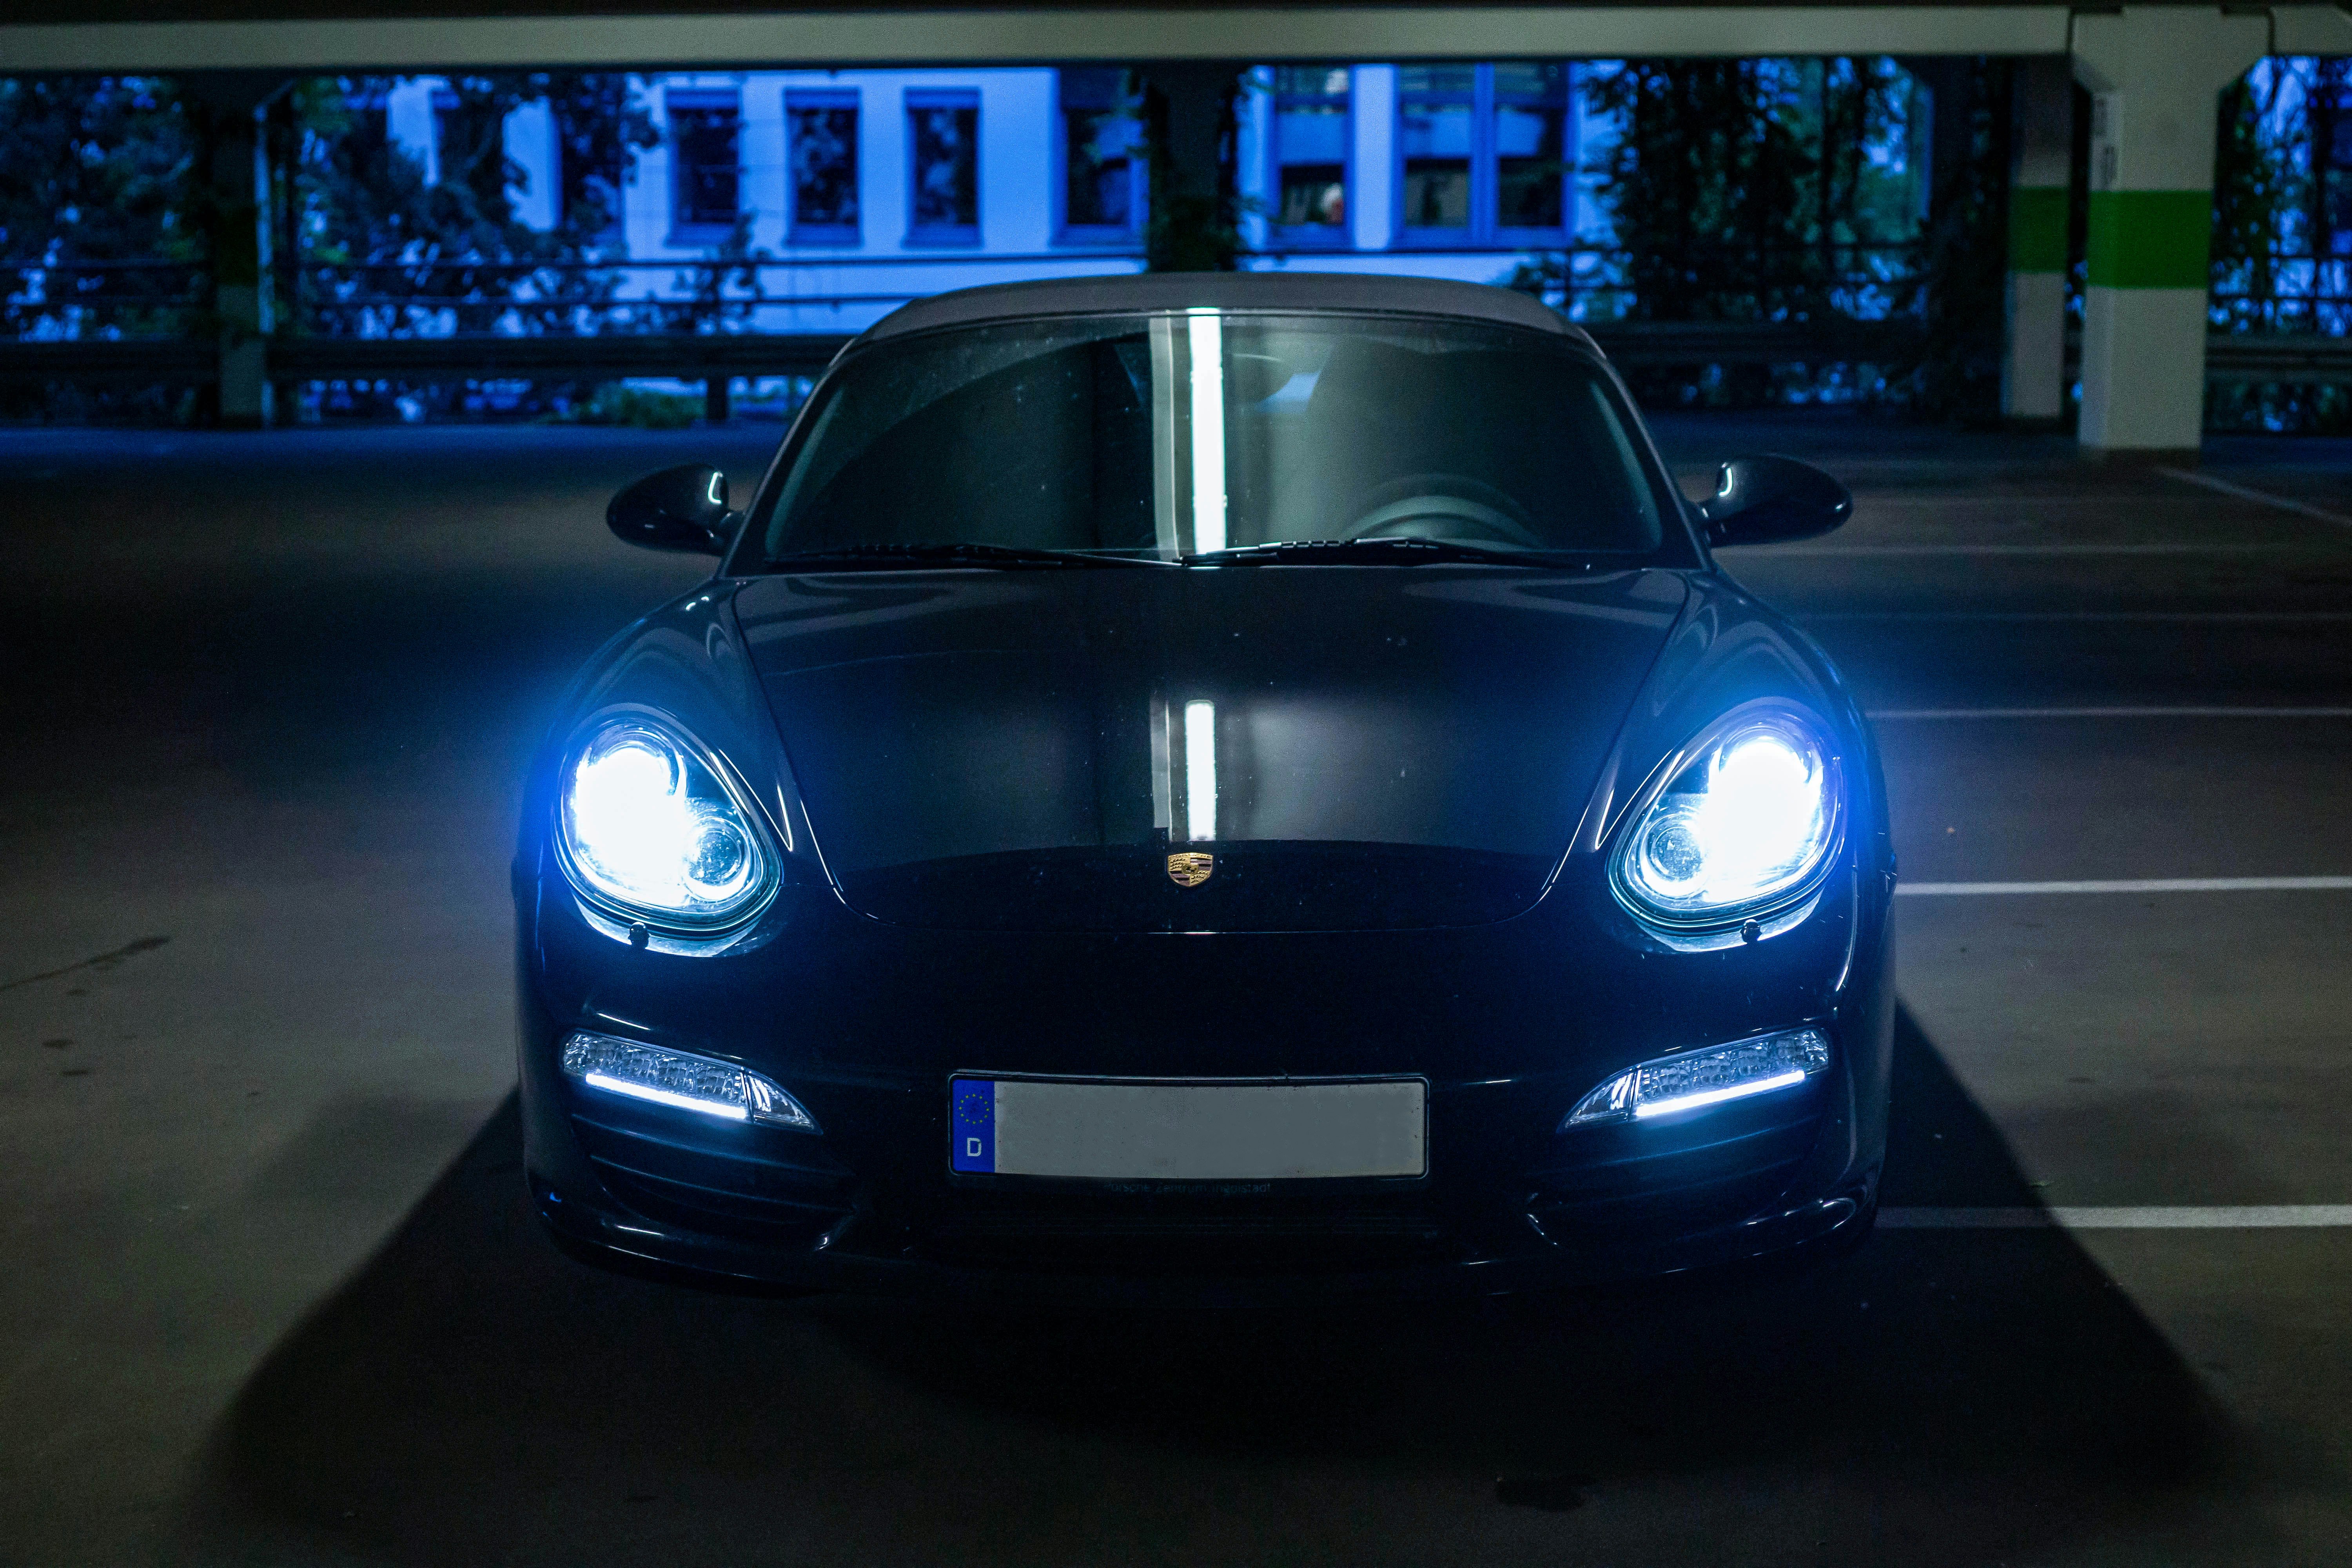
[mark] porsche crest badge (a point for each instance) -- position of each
(1190, 868)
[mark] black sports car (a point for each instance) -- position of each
(1208, 785)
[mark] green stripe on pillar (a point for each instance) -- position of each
(2037, 229)
(2150, 239)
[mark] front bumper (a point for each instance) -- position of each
(1511, 1023)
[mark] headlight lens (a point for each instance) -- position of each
(648, 828)
(1743, 828)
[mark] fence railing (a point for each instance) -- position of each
(442, 297)
(141, 299)
(715, 319)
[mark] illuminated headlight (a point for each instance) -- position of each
(1696, 1079)
(1745, 826)
(649, 829)
(682, 1082)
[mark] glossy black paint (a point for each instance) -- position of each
(682, 508)
(1415, 745)
(1763, 500)
(1428, 766)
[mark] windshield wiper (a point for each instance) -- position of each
(1379, 552)
(902, 557)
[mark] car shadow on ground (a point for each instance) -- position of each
(472, 1394)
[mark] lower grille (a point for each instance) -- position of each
(1147, 1244)
(1609, 1178)
(717, 1191)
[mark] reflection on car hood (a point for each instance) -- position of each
(1356, 748)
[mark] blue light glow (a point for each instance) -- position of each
(648, 826)
(1746, 826)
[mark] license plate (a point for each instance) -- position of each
(1190, 1132)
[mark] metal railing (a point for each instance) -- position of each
(713, 318)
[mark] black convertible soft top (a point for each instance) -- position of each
(1120, 293)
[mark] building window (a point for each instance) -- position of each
(1436, 110)
(705, 172)
(1310, 154)
(1101, 149)
(821, 128)
(1532, 169)
(943, 143)
(1483, 154)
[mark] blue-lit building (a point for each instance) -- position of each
(854, 191)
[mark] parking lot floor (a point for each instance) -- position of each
(275, 1295)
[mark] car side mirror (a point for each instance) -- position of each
(677, 508)
(1762, 499)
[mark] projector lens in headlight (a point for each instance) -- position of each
(649, 829)
(1696, 1079)
(681, 1082)
(1744, 826)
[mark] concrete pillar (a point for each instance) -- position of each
(1194, 210)
(2033, 356)
(2154, 74)
(238, 196)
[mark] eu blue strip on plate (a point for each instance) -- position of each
(974, 1123)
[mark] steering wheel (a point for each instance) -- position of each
(1441, 506)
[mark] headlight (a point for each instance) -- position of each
(649, 828)
(1744, 826)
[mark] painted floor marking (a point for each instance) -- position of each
(2143, 885)
(2184, 712)
(2234, 548)
(1964, 616)
(2263, 498)
(2242, 1217)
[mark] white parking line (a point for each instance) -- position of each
(2145, 885)
(1960, 616)
(1902, 713)
(2245, 1216)
(2263, 498)
(1745, 553)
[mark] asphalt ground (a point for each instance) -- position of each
(273, 1294)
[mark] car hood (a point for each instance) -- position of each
(1385, 747)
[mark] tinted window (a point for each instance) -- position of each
(1180, 434)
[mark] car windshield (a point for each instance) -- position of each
(1180, 435)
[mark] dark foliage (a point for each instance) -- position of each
(1743, 190)
(1961, 294)
(384, 249)
(100, 234)
(2276, 198)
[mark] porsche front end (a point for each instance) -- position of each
(1451, 887)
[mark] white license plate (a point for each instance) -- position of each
(1195, 1132)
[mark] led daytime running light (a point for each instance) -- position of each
(683, 1082)
(1693, 1080)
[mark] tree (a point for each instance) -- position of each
(1749, 190)
(377, 237)
(1961, 292)
(95, 171)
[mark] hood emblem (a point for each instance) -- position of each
(1190, 868)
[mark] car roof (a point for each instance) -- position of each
(1125, 293)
